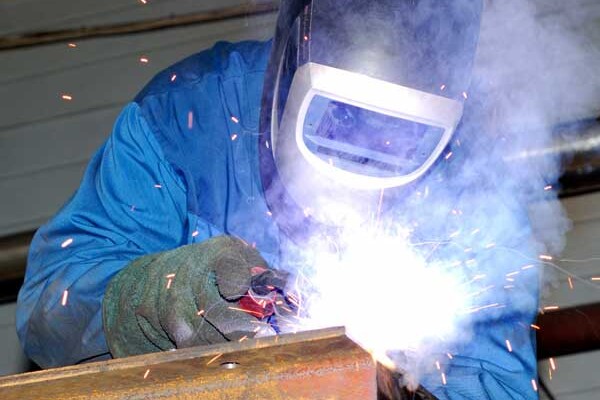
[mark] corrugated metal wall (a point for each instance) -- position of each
(45, 141)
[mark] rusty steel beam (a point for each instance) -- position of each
(322, 364)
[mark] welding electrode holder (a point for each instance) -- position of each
(267, 288)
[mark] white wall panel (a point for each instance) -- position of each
(12, 359)
(45, 142)
(581, 256)
(18, 16)
(577, 376)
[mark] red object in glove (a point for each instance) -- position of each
(259, 306)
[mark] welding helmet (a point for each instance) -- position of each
(362, 96)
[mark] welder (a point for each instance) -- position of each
(227, 154)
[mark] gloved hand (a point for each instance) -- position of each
(181, 298)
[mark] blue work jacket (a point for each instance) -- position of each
(180, 166)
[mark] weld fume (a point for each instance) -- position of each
(468, 220)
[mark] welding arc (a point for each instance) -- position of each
(174, 21)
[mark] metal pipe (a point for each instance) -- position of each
(568, 331)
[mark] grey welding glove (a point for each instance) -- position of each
(181, 298)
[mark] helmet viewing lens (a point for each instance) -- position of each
(365, 141)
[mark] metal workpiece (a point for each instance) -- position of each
(322, 364)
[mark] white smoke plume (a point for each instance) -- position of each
(460, 246)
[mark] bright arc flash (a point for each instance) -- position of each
(381, 279)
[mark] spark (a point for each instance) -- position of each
(146, 373)
(190, 120)
(508, 346)
(72, 45)
(570, 280)
(550, 373)
(545, 257)
(132, 208)
(443, 87)
(243, 338)
(455, 234)
(527, 267)
(465, 95)
(199, 313)
(66, 243)
(169, 280)
(66, 97)
(269, 213)
(490, 245)
(234, 136)
(552, 364)
(144, 60)
(214, 358)
(548, 187)
(173, 77)
(476, 309)
(380, 204)
(144, 1)
(449, 356)
(475, 231)
(235, 120)
(437, 365)
(595, 278)
(195, 233)
(510, 279)
(444, 378)
(158, 186)
(534, 385)
(65, 296)
(509, 286)
(448, 155)
(246, 311)
(485, 289)
(537, 328)
(550, 308)
(305, 38)
(513, 273)
(267, 144)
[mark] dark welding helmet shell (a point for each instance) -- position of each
(425, 46)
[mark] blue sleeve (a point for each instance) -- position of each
(130, 203)
(498, 363)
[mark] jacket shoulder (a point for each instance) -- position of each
(224, 59)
